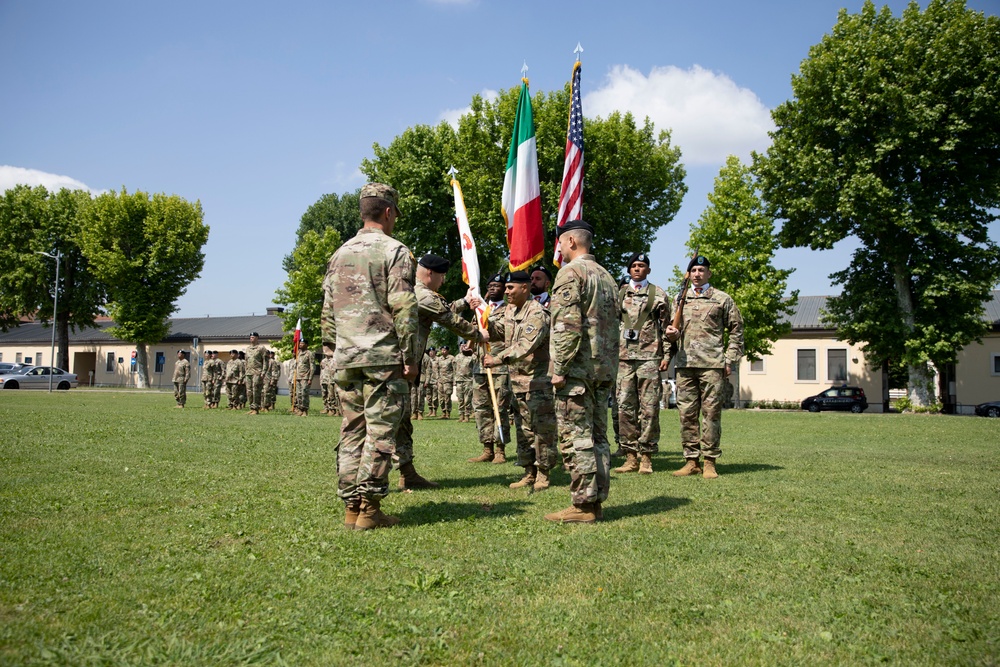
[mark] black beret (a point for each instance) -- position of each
(255, 334)
(700, 260)
(638, 257)
(573, 224)
(623, 281)
(498, 278)
(234, 351)
(434, 263)
(544, 269)
(518, 277)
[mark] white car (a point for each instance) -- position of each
(37, 377)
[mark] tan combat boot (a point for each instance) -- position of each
(252, 412)
(409, 479)
(645, 464)
(445, 415)
(485, 457)
(530, 474)
(709, 469)
(370, 516)
(631, 463)
(420, 416)
(351, 510)
(690, 468)
(499, 456)
(541, 480)
(585, 513)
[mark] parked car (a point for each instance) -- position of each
(838, 398)
(6, 367)
(37, 377)
(991, 409)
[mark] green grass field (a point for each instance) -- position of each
(132, 533)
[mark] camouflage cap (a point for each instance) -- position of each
(382, 191)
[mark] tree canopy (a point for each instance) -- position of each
(147, 250)
(302, 292)
(331, 211)
(893, 137)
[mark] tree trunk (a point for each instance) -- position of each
(62, 341)
(141, 366)
(921, 378)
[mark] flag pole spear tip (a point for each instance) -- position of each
(524, 72)
(578, 50)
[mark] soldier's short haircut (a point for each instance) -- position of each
(583, 237)
(372, 207)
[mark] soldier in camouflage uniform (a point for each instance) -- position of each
(525, 332)
(305, 370)
(431, 389)
(327, 386)
(703, 361)
(208, 379)
(256, 364)
(422, 390)
(445, 381)
(271, 382)
(220, 378)
(463, 381)
(369, 322)
(482, 402)
(584, 342)
(645, 312)
(541, 283)
(431, 309)
(241, 383)
(233, 373)
(182, 372)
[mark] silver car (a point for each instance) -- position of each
(37, 377)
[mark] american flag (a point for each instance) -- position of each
(571, 193)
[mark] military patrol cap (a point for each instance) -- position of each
(434, 263)
(638, 257)
(518, 277)
(544, 269)
(382, 191)
(700, 260)
(498, 278)
(574, 224)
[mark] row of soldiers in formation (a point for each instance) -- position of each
(557, 356)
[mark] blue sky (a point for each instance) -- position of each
(257, 109)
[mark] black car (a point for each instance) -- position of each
(991, 409)
(838, 398)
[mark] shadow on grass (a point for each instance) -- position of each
(657, 505)
(445, 512)
(471, 482)
(740, 468)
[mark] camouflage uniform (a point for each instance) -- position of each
(327, 385)
(525, 333)
(584, 338)
(700, 363)
(256, 363)
(463, 384)
(647, 312)
(431, 389)
(182, 372)
(369, 322)
(241, 384)
(209, 382)
(271, 383)
(481, 401)
(233, 373)
(421, 393)
(445, 383)
(305, 370)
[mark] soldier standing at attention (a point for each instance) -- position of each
(241, 383)
(304, 372)
(525, 332)
(271, 380)
(208, 379)
(643, 352)
(232, 380)
(463, 381)
(541, 282)
(256, 364)
(703, 361)
(446, 381)
(433, 399)
(220, 378)
(326, 384)
(584, 341)
(482, 403)
(369, 322)
(182, 371)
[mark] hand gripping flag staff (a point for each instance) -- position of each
(470, 274)
(571, 191)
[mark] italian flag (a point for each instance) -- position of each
(522, 204)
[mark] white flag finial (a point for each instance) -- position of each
(578, 50)
(524, 70)
(452, 171)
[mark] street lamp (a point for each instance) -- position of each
(55, 309)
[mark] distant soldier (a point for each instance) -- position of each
(182, 372)
(256, 364)
(703, 361)
(271, 379)
(541, 283)
(463, 381)
(241, 383)
(643, 351)
(304, 372)
(431, 392)
(233, 373)
(584, 343)
(208, 379)
(525, 332)
(446, 381)
(220, 378)
(327, 386)
(493, 445)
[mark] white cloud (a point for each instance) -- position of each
(344, 178)
(451, 116)
(709, 116)
(11, 176)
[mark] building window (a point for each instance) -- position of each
(17, 358)
(29, 361)
(110, 367)
(836, 365)
(38, 359)
(805, 366)
(757, 366)
(996, 364)
(161, 360)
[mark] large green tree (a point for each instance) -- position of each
(33, 220)
(893, 137)
(737, 235)
(331, 211)
(147, 250)
(302, 293)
